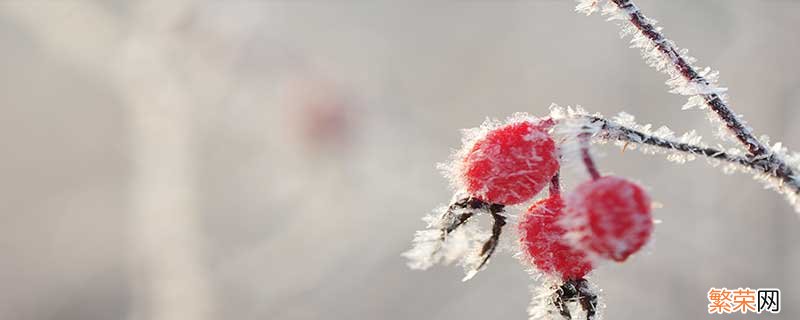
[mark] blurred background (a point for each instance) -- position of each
(272, 159)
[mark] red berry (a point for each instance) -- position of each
(511, 164)
(612, 215)
(543, 240)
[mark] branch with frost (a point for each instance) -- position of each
(774, 164)
(610, 130)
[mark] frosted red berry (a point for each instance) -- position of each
(613, 216)
(542, 239)
(512, 163)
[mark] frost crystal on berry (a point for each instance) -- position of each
(542, 240)
(511, 163)
(610, 217)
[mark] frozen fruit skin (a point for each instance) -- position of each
(511, 164)
(543, 241)
(612, 215)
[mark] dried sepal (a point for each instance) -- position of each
(431, 246)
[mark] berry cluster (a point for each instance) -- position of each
(605, 218)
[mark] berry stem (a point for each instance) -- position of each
(587, 158)
(555, 185)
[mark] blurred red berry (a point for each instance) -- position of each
(511, 164)
(612, 214)
(543, 240)
(323, 112)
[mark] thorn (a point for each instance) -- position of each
(625, 146)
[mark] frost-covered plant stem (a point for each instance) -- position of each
(713, 100)
(777, 169)
(661, 53)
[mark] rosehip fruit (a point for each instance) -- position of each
(612, 215)
(512, 163)
(543, 240)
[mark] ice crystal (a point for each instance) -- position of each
(696, 101)
(588, 7)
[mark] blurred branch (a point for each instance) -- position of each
(167, 255)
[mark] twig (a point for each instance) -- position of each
(768, 165)
(713, 100)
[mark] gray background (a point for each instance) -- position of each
(155, 164)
